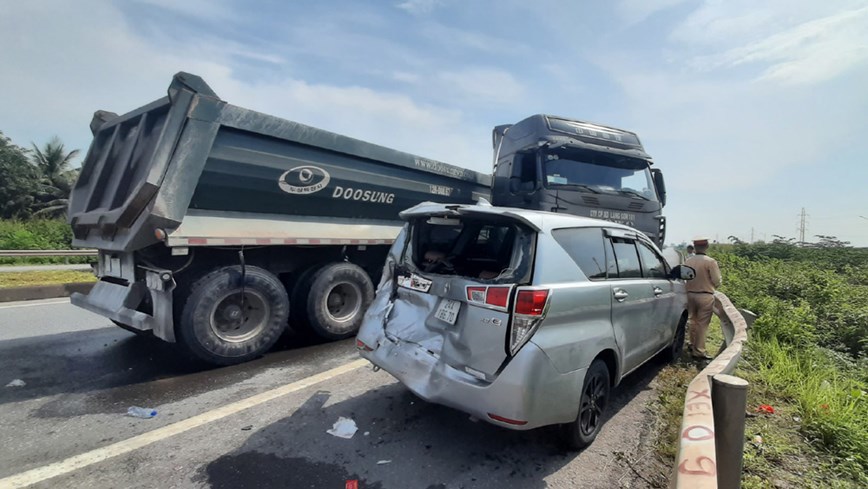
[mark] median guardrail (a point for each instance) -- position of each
(711, 440)
(45, 253)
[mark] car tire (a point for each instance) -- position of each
(673, 351)
(592, 407)
(218, 327)
(336, 300)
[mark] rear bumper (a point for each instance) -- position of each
(119, 302)
(529, 391)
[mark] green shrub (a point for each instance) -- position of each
(807, 295)
(22, 239)
(832, 401)
(37, 234)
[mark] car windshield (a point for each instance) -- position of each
(599, 173)
(496, 251)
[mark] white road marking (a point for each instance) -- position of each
(34, 304)
(100, 454)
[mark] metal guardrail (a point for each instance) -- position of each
(45, 253)
(711, 443)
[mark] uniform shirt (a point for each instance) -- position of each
(707, 274)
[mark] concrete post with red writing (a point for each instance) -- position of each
(729, 401)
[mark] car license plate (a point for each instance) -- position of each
(448, 311)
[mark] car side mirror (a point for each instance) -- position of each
(682, 272)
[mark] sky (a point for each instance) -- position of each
(752, 110)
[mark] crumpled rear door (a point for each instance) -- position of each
(467, 336)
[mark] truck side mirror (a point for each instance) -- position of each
(524, 189)
(514, 185)
(660, 184)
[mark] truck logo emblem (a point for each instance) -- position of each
(304, 180)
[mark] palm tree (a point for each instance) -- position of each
(56, 177)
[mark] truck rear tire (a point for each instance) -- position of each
(336, 299)
(219, 326)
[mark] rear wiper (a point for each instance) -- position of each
(632, 192)
(577, 185)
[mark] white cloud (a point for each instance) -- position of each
(403, 76)
(463, 41)
(485, 84)
(636, 11)
(60, 77)
(199, 9)
(419, 7)
(804, 48)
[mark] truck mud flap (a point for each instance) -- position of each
(118, 303)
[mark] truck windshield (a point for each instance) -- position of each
(599, 173)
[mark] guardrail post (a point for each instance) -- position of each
(729, 401)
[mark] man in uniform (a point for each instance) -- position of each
(700, 296)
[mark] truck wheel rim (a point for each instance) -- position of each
(235, 322)
(343, 302)
(593, 403)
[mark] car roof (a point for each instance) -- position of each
(539, 220)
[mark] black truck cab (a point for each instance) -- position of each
(556, 164)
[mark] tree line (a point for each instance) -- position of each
(35, 182)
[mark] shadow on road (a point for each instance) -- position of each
(428, 446)
(108, 369)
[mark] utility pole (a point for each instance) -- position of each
(751, 235)
(802, 221)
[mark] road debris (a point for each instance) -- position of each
(343, 428)
(16, 383)
(247, 428)
(765, 408)
(383, 462)
(140, 412)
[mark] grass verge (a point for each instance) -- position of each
(47, 277)
(818, 434)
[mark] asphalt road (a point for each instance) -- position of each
(262, 424)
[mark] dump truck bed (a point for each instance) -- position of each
(190, 153)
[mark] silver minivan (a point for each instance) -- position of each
(522, 318)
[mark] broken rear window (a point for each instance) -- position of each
(482, 250)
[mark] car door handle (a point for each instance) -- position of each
(621, 294)
(658, 291)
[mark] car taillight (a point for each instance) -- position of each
(531, 302)
(529, 311)
(476, 294)
(496, 296)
